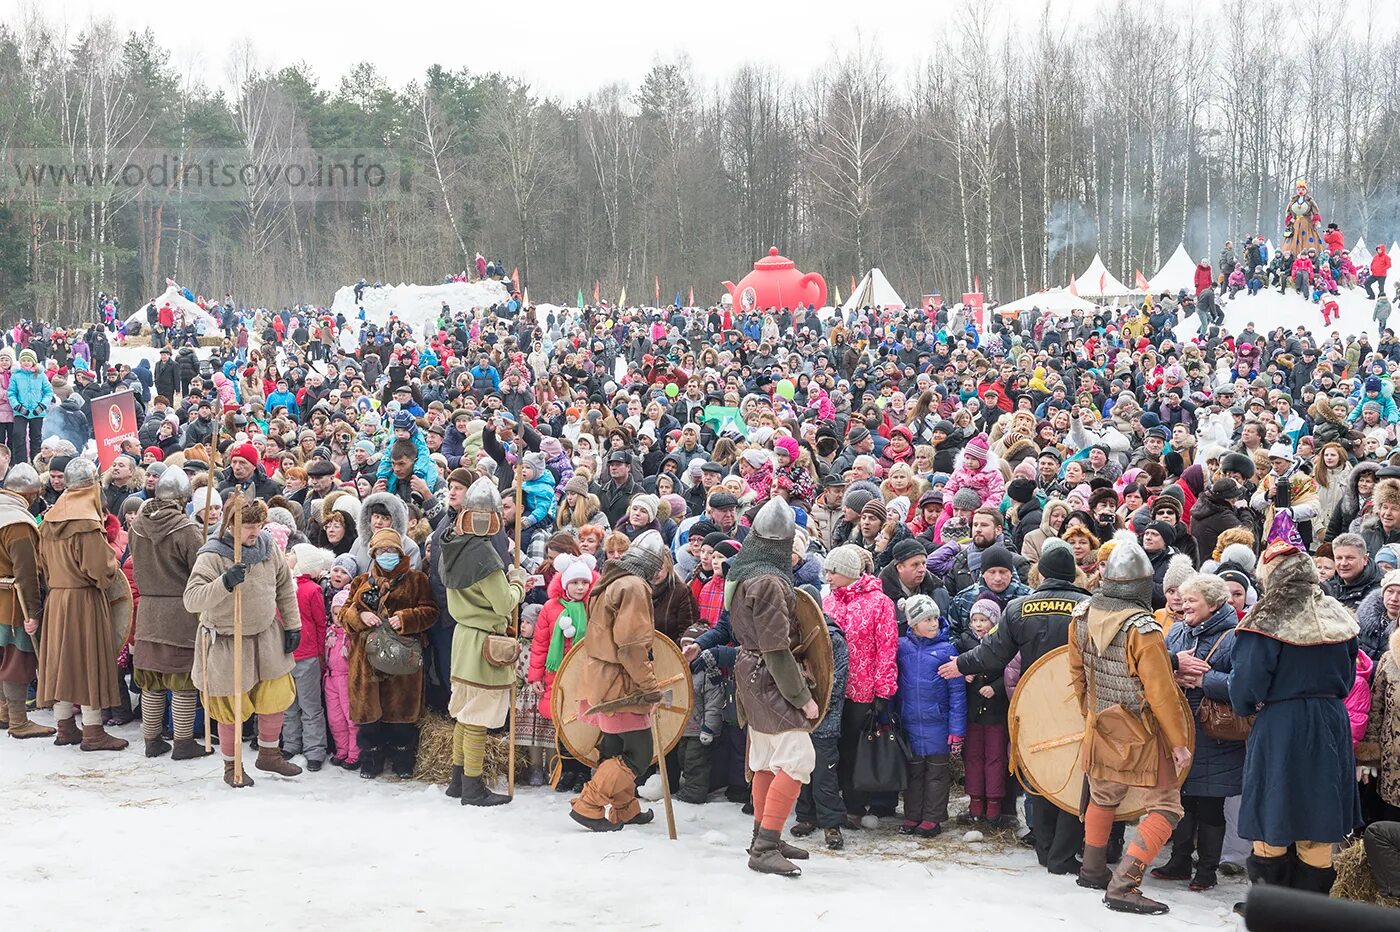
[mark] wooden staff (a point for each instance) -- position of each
(213, 462)
(510, 751)
(237, 502)
(213, 488)
(661, 770)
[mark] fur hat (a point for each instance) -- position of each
(1387, 492)
(1102, 495)
(846, 560)
(1237, 462)
(916, 608)
(1242, 555)
(1021, 490)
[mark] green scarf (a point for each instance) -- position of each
(575, 613)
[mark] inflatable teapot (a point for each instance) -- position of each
(775, 282)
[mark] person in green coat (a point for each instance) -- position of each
(482, 596)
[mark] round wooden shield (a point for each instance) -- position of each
(813, 651)
(1047, 733)
(677, 695)
(123, 611)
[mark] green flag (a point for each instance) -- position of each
(580, 299)
(723, 418)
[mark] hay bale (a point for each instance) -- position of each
(1355, 881)
(434, 763)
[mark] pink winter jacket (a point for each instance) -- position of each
(1359, 699)
(866, 616)
(987, 482)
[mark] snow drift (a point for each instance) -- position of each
(417, 305)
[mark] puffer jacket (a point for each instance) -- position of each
(931, 709)
(1351, 504)
(1358, 701)
(29, 392)
(866, 616)
(830, 725)
(1217, 768)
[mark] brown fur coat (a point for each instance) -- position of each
(373, 696)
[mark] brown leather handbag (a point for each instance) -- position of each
(1218, 719)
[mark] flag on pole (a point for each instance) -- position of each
(691, 302)
(977, 284)
(622, 298)
(1073, 288)
(595, 291)
(526, 297)
(1103, 282)
(837, 300)
(853, 284)
(658, 290)
(515, 278)
(678, 299)
(1141, 281)
(580, 299)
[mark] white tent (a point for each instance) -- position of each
(874, 290)
(182, 306)
(1394, 250)
(1270, 244)
(1360, 254)
(1052, 300)
(1098, 282)
(1177, 273)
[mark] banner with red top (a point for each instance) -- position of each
(113, 423)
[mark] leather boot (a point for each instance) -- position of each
(1124, 890)
(454, 785)
(68, 733)
(1313, 879)
(1210, 839)
(5, 715)
(272, 761)
(1178, 866)
(475, 793)
(157, 748)
(594, 825)
(791, 852)
(22, 727)
(1094, 873)
(95, 738)
(228, 776)
(188, 749)
(765, 857)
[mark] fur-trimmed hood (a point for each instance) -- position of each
(398, 514)
(1351, 499)
(1321, 412)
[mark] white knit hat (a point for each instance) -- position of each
(312, 560)
(845, 560)
(570, 567)
(646, 501)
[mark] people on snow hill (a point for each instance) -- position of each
(951, 498)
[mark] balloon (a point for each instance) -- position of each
(672, 390)
(786, 389)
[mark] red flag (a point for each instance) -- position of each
(658, 289)
(1103, 282)
(515, 278)
(853, 284)
(1074, 287)
(595, 291)
(977, 284)
(1141, 281)
(691, 302)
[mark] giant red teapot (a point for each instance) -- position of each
(775, 282)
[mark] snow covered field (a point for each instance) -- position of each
(117, 842)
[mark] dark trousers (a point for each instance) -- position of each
(1373, 282)
(26, 436)
(926, 795)
(819, 803)
(392, 742)
(727, 759)
(1206, 810)
(984, 756)
(634, 747)
(695, 760)
(1058, 835)
(438, 682)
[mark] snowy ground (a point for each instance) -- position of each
(119, 842)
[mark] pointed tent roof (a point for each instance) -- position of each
(1176, 273)
(1098, 281)
(1394, 248)
(1360, 254)
(1270, 243)
(874, 290)
(1053, 300)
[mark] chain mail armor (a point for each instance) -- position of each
(1107, 676)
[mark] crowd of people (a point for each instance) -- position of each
(1210, 526)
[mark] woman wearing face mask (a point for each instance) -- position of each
(386, 707)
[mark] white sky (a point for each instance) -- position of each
(566, 49)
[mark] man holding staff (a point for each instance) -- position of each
(19, 598)
(262, 648)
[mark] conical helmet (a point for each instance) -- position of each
(1127, 574)
(775, 521)
(173, 486)
(481, 509)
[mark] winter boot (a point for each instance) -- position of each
(835, 841)
(791, 852)
(535, 777)
(1125, 890)
(22, 727)
(643, 817)
(95, 738)
(801, 829)
(475, 793)
(371, 763)
(188, 749)
(270, 760)
(1094, 873)
(766, 858)
(1313, 879)
(594, 825)
(229, 779)
(454, 785)
(404, 759)
(1178, 866)
(157, 748)
(1116, 843)
(68, 733)
(1276, 872)
(1210, 839)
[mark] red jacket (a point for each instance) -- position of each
(1380, 263)
(539, 644)
(1333, 239)
(311, 603)
(1203, 277)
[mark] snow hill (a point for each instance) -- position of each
(417, 305)
(1269, 309)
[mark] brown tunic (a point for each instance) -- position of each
(762, 617)
(164, 543)
(617, 650)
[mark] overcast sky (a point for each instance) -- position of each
(566, 49)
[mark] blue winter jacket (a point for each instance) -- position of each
(930, 707)
(30, 392)
(423, 466)
(286, 399)
(539, 499)
(1217, 767)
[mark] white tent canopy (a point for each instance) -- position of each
(1177, 273)
(1098, 282)
(874, 290)
(1052, 300)
(1360, 255)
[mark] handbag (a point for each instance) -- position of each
(881, 758)
(391, 653)
(1218, 719)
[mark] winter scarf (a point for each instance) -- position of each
(578, 620)
(252, 554)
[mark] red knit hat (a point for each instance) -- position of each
(156, 452)
(245, 451)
